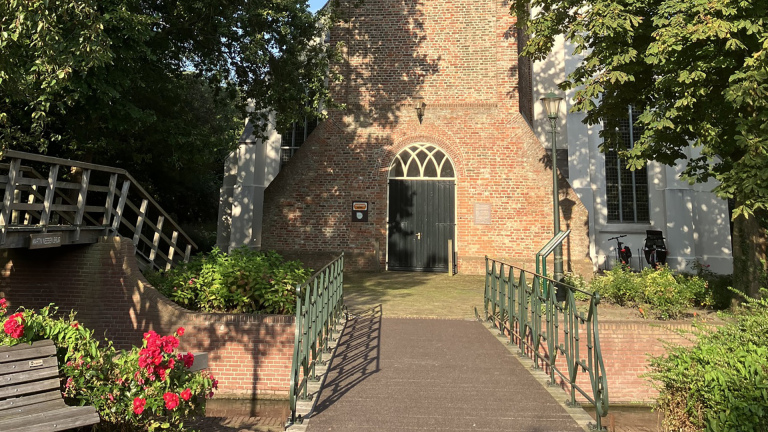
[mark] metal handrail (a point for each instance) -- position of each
(317, 314)
(51, 207)
(532, 316)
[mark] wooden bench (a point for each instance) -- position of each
(30, 392)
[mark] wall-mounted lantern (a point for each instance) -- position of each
(419, 105)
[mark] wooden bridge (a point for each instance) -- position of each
(53, 202)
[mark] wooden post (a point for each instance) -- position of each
(15, 213)
(187, 252)
(110, 199)
(120, 206)
(140, 222)
(50, 191)
(450, 257)
(156, 240)
(172, 250)
(81, 196)
(10, 188)
(30, 200)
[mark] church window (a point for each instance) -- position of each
(293, 137)
(626, 190)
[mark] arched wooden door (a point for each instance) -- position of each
(422, 210)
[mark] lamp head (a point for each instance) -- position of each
(551, 103)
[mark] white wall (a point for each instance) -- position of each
(248, 171)
(694, 221)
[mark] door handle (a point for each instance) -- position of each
(418, 236)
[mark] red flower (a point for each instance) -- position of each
(171, 400)
(180, 331)
(138, 405)
(14, 325)
(75, 324)
(169, 343)
(186, 394)
(188, 359)
(3, 303)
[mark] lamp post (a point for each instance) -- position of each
(552, 107)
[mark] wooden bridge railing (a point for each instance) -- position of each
(52, 202)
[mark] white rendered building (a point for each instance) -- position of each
(694, 222)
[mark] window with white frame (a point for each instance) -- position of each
(293, 137)
(626, 190)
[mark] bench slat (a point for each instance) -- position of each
(30, 395)
(31, 410)
(61, 419)
(27, 365)
(42, 348)
(28, 388)
(12, 403)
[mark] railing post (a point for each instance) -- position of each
(81, 197)
(15, 213)
(50, 191)
(10, 189)
(172, 250)
(140, 222)
(187, 252)
(121, 206)
(110, 199)
(156, 239)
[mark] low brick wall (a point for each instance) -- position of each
(250, 355)
(626, 347)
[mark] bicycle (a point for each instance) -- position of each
(623, 253)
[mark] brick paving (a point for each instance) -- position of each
(394, 374)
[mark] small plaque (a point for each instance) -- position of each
(360, 211)
(46, 240)
(35, 363)
(482, 214)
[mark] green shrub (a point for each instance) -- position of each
(721, 383)
(243, 281)
(666, 298)
(618, 285)
(138, 390)
(577, 281)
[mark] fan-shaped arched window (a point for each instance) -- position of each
(421, 161)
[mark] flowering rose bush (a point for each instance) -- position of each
(144, 389)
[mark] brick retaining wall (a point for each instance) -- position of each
(249, 354)
(626, 347)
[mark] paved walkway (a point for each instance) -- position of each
(400, 374)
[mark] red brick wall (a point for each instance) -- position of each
(462, 57)
(249, 354)
(626, 347)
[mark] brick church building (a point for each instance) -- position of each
(395, 187)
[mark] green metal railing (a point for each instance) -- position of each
(319, 305)
(524, 305)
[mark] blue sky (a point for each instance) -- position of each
(316, 4)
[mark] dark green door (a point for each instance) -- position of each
(421, 221)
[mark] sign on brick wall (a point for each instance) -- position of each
(482, 214)
(360, 211)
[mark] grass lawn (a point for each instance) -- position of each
(412, 294)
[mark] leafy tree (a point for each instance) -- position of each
(154, 86)
(696, 69)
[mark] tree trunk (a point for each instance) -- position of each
(749, 250)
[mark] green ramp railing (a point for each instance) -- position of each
(319, 305)
(519, 305)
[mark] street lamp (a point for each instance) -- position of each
(552, 106)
